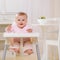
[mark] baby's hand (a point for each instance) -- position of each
(8, 28)
(29, 30)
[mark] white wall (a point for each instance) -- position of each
(34, 8)
(48, 8)
(2, 6)
(42, 8)
(57, 8)
(16, 6)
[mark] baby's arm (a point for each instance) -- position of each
(29, 30)
(8, 28)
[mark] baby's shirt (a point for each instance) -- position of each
(15, 28)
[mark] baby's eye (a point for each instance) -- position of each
(18, 19)
(22, 19)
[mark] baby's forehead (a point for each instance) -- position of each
(21, 16)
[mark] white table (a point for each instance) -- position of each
(49, 22)
(21, 35)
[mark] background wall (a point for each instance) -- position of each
(42, 8)
(34, 8)
(57, 8)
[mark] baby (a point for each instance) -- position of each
(20, 26)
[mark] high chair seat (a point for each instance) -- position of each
(22, 35)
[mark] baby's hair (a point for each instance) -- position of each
(21, 14)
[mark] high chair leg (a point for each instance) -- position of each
(37, 49)
(5, 51)
(38, 52)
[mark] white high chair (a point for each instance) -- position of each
(10, 35)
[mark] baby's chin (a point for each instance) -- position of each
(21, 26)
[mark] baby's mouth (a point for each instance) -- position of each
(21, 24)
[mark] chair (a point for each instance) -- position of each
(9, 35)
(54, 43)
(47, 22)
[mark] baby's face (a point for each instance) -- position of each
(21, 21)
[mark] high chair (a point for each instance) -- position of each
(21, 35)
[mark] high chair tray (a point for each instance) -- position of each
(21, 34)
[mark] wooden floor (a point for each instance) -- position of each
(13, 57)
(52, 54)
(30, 57)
